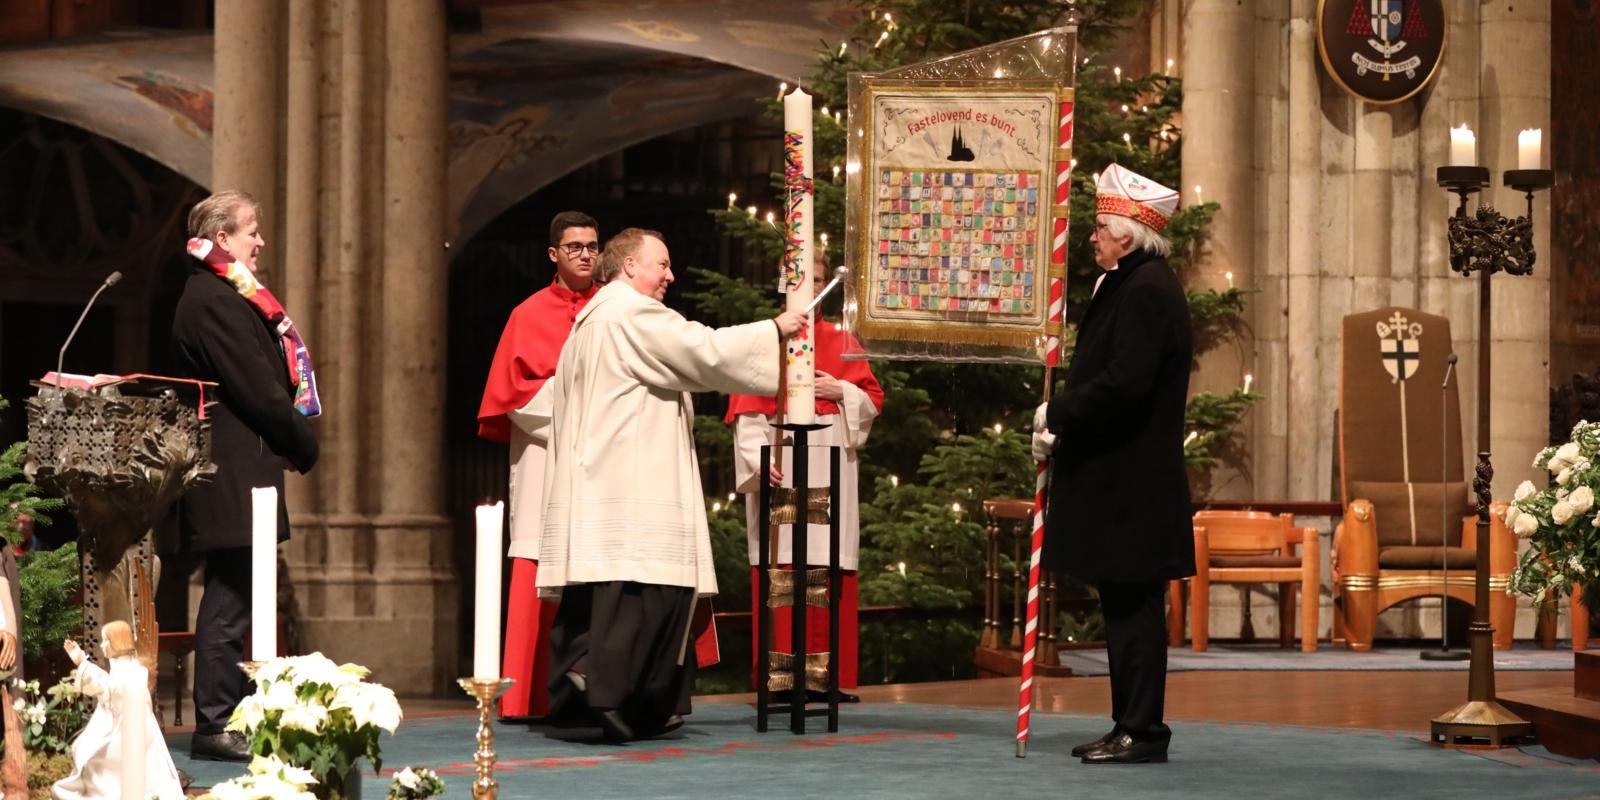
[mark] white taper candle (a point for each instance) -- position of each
(800, 353)
(1529, 143)
(486, 608)
(263, 573)
(135, 696)
(1463, 147)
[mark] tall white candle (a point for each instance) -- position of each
(1463, 147)
(800, 353)
(134, 697)
(1529, 143)
(263, 573)
(486, 607)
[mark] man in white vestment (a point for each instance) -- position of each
(625, 538)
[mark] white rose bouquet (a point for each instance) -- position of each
(415, 784)
(1561, 521)
(316, 715)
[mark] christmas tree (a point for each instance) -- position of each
(953, 435)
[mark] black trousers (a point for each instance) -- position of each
(1136, 647)
(625, 639)
(220, 628)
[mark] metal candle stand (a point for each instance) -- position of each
(802, 670)
(1486, 243)
(485, 690)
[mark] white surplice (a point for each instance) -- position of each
(623, 499)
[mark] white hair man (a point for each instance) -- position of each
(1115, 438)
(625, 539)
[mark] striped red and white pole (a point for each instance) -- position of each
(1052, 357)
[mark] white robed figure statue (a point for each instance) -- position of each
(97, 752)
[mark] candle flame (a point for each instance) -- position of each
(1192, 436)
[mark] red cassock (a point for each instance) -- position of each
(525, 359)
(831, 344)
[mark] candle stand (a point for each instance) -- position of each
(485, 691)
(1486, 243)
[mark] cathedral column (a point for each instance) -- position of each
(248, 114)
(301, 207)
(412, 532)
(1306, 363)
(1219, 99)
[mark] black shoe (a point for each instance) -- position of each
(660, 728)
(616, 729)
(225, 746)
(1105, 739)
(1124, 749)
(814, 696)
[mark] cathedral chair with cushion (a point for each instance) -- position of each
(1400, 522)
(1252, 547)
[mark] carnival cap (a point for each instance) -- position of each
(1126, 193)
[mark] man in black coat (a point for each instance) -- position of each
(1119, 513)
(218, 335)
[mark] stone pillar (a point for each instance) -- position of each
(1219, 155)
(301, 197)
(1307, 363)
(1372, 196)
(1515, 94)
(247, 126)
(417, 600)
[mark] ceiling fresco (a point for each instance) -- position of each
(536, 91)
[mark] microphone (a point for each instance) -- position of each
(110, 281)
(1450, 366)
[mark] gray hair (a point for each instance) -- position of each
(220, 213)
(1144, 237)
(626, 243)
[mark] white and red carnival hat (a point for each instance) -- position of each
(1126, 193)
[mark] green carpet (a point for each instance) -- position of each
(1524, 656)
(924, 751)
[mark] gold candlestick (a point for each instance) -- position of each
(485, 690)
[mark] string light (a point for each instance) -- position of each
(1117, 71)
(783, 89)
(1247, 378)
(836, 172)
(1192, 436)
(842, 46)
(894, 480)
(731, 496)
(838, 117)
(715, 507)
(902, 569)
(956, 507)
(1127, 140)
(1199, 196)
(1124, 109)
(825, 112)
(998, 428)
(824, 236)
(751, 211)
(1073, 164)
(1170, 63)
(999, 73)
(772, 219)
(882, 37)
(731, 198)
(1229, 276)
(1144, 109)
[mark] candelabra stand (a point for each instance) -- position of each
(485, 690)
(1486, 243)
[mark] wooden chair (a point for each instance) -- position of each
(1403, 481)
(1251, 547)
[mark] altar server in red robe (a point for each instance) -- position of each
(525, 359)
(848, 400)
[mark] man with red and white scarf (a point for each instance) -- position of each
(228, 328)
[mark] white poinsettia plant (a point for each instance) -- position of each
(268, 779)
(1560, 522)
(415, 784)
(317, 715)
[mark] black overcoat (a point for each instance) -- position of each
(1119, 497)
(218, 336)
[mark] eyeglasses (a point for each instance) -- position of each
(576, 249)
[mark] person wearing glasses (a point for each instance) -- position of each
(524, 360)
(1114, 439)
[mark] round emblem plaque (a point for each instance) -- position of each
(1382, 51)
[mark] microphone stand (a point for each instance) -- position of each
(61, 356)
(1444, 653)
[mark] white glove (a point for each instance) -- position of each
(1039, 416)
(1044, 443)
